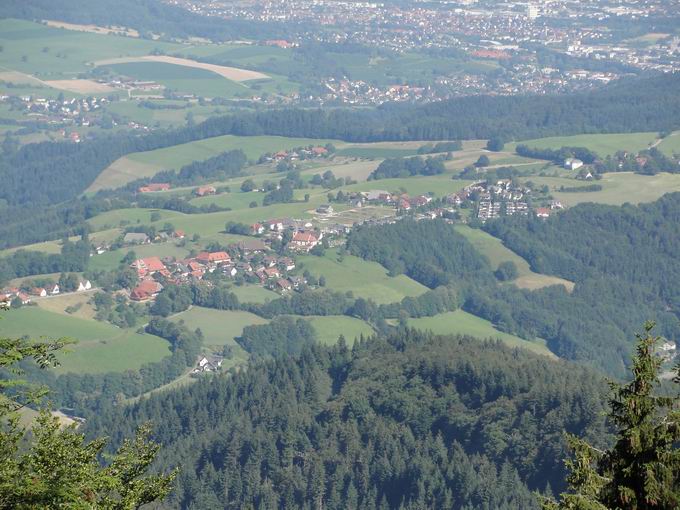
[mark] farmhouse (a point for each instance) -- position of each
(84, 285)
(154, 186)
(325, 209)
(305, 240)
(252, 246)
(147, 289)
(52, 289)
(572, 163)
(283, 285)
(203, 191)
(38, 291)
(148, 266)
(136, 238)
(24, 298)
(217, 257)
(256, 229)
(542, 212)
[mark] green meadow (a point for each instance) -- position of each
(601, 144)
(463, 323)
(220, 328)
(253, 294)
(329, 328)
(494, 250)
(363, 278)
(54, 53)
(671, 144)
(617, 188)
(100, 346)
(182, 79)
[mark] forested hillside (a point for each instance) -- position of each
(593, 324)
(411, 421)
(52, 172)
(146, 16)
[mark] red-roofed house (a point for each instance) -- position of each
(217, 257)
(305, 240)
(154, 186)
(542, 212)
(146, 290)
(272, 272)
(256, 228)
(148, 266)
(38, 291)
(203, 191)
(319, 151)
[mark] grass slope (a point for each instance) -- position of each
(496, 252)
(461, 322)
(101, 347)
(220, 328)
(618, 188)
(602, 144)
(365, 279)
(329, 328)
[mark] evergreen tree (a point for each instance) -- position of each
(54, 467)
(642, 470)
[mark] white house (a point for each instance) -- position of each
(572, 163)
(84, 285)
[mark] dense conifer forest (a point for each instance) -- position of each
(408, 421)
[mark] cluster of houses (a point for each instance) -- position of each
(137, 238)
(504, 198)
(300, 153)
(249, 258)
(26, 295)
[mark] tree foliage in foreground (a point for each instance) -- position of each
(54, 466)
(642, 470)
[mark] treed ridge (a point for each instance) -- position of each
(410, 421)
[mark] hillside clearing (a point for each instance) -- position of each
(494, 250)
(329, 328)
(100, 346)
(363, 278)
(464, 323)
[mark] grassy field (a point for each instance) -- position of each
(186, 80)
(438, 185)
(617, 188)
(365, 279)
(375, 153)
(220, 328)
(55, 53)
(496, 252)
(146, 164)
(460, 322)
(253, 294)
(133, 216)
(329, 328)
(59, 304)
(601, 144)
(101, 347)
(671, 144)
